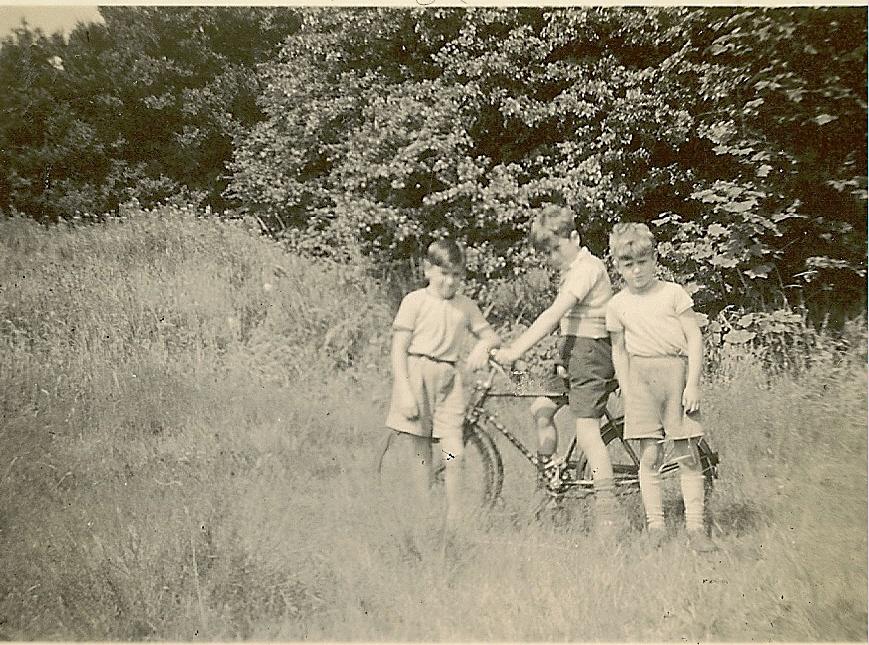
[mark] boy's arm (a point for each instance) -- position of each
(621, 359)
(544, 325)
(691, 396)
(402, 393)
(479, 355)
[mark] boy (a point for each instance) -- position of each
(429, 331)
(658, 353)
(579, 310)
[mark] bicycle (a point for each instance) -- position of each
(565, 477)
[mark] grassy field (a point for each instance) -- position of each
(189, 422)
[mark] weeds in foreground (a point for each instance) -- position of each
(175, 483)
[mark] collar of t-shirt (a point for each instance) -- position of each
(583, 254)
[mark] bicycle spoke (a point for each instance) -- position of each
(568, 476)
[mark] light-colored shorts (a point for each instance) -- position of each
(654, 406)
(589, 375)
(440, 400)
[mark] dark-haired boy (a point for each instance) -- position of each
(429, 332)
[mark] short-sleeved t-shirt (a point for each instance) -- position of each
(586, 280)
(650, 320)
(439, 327)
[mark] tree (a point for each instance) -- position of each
(29, 116)
(142, 106)
(392, 127)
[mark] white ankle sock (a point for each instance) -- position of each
(650, 491)
(692, 494)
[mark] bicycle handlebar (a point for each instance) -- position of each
(497, 367)
(493, 362)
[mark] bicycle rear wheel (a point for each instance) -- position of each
(482, 469)
(625, 461)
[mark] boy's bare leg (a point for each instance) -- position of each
(543, 410)
(650, 483)
(417, 453)
(453, 475)
(547, 434)
(589, 441)
(409, 493)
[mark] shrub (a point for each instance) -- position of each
(170, 286)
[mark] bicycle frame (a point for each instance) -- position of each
(555, 473)
(558, 474)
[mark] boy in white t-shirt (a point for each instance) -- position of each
(658, 354)
(429, 332)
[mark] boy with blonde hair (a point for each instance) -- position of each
(658, 353)
(429, 332)
(579, 311)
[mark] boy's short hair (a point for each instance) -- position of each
(552, 223)
(631, 240)
(446, 254)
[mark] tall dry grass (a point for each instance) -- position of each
(187, 455)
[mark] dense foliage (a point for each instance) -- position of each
(143, 106)
(740, 134)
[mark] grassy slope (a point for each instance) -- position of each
(185, 457)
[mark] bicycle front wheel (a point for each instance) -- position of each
(481, 469)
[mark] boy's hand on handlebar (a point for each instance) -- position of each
(478, 358)
(505, 356)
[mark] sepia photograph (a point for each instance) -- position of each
(487, 322)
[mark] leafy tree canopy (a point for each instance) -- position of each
(143, 106)
(739, 134)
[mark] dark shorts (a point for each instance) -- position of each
(589, 364)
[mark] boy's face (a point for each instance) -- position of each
(561, 252)
(444, 281)
(637, 271)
